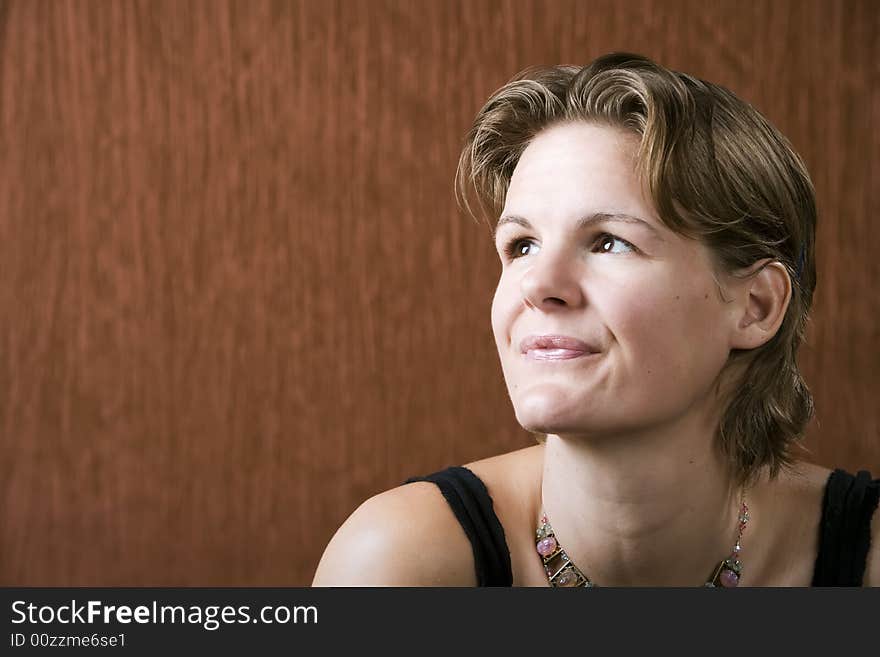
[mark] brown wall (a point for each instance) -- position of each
(236, 295)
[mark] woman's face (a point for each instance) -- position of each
(641, 297)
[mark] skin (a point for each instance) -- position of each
(629, 474)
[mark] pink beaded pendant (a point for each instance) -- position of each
(546, 546)
(729, 579)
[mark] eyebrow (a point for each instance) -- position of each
(583, 222)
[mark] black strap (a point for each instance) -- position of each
(472, 505)
(845, 529)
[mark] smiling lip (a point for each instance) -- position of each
(554, 347)
(554, 354)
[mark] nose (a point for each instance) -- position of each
(553, 279)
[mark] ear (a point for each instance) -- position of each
(763, 292)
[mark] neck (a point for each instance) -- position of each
(653, 508)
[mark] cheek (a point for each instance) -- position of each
(665, 333)
(499, 313)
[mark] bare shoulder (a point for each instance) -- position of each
(797, 495)
(815, 479)
(786, 513)
(513, 480)
(804, 481)
(512, 470)
(406, 536)
(797, 492)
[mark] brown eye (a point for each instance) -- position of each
(606, 242)
(515, 248)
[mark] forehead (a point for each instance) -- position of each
(581, 143)
(578, 168)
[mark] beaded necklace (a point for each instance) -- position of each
(562, 572)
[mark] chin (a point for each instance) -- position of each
(550, 416)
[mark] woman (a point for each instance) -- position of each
(657, 244)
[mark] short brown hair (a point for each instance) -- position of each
(717, 171)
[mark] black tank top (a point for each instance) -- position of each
(848, 505)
